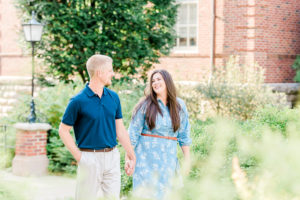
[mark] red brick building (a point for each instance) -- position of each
(265, 31)
(13, 62)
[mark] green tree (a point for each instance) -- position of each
(135, 33)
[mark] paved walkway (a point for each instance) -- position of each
(41, 188)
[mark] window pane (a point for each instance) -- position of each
(183, 32)
(193, 13)
(182, 42)
(192, 36)
(183, 36)
(192, 42)
(182, 14)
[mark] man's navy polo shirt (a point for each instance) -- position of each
(93, 118)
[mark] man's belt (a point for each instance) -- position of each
(98, 150)
(159, 136)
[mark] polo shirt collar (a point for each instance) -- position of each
(90, 92)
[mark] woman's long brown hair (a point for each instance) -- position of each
(151, 104)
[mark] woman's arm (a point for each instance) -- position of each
(187, 159)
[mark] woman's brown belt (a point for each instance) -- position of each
(159, 136)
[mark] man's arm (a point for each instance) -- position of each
(123, 138)
(64, 133)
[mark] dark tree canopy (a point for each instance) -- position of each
(135, 33)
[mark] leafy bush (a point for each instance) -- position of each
(238, 90)
(193, 100)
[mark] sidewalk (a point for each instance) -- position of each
(41, 188)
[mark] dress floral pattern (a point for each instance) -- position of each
(157, 157)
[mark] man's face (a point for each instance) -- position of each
(106, 74)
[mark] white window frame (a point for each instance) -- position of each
(187, 49)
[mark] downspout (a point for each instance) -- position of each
(213, 38)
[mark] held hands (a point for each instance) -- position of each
(129, 166)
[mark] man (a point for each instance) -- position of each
(96, 116)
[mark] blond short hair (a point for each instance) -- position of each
(97, 62)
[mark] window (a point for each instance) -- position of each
(186, 26)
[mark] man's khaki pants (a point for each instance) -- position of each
(98, 175)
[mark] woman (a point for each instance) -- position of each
(158, 123)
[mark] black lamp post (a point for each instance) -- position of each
(33, 33)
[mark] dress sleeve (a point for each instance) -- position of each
(183, 136)
(136, 126)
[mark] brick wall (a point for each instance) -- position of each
(13, 62)
(280, 40)
(265, 31)
(31, 143)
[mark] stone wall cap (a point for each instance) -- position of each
(33, 126)
(288, 88)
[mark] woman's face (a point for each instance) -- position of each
(158, 84)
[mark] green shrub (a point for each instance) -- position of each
(238, 90)
(277, 119)
(193, 100)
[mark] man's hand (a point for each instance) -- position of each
(78, 157)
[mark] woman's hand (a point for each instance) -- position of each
(187, 160)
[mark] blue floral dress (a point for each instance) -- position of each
(156, 157)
